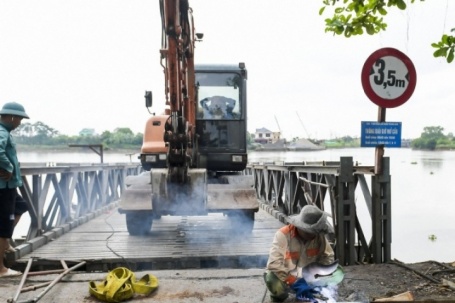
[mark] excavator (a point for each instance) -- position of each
(194, 154)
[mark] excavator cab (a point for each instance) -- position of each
(221, 120)
(216, 182)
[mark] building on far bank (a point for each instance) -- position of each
(268, 141)
(265, 136)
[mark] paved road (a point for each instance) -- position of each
(362, 283)
(208, 286)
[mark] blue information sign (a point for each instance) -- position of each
(380, 133)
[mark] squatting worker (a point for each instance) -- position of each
(296, 245)
(11, 116)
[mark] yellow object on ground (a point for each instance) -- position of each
(146, 285)
(121, 284)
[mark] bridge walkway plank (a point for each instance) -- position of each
(174, 242)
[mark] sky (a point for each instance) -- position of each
(78, 64)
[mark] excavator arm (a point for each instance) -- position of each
(177, 60)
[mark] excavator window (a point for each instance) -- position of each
(218, 97)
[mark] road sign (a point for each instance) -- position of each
(388, 77)
(380, 133)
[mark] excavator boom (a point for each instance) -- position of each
(177, 59)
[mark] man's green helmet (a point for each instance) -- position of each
(15, 109)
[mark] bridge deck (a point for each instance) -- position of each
(174, 242)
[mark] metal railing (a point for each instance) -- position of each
(65, 193)
(285, 188)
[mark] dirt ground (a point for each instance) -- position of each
(361, 283)
(426, 281)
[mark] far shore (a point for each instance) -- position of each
(137, 150)
(65, 148)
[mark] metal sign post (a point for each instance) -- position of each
(388, 79)
(379, 151)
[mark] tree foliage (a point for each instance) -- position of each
(41, 134)
(355, 17)
(433, 138)
(445, 47)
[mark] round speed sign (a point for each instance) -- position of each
(388, 77)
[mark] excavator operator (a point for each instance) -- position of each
(217, 107)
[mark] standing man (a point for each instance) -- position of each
(296, 245)
(11, 116)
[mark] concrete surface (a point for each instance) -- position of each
(198, 285)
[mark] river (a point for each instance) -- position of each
(423, 197)
(423, 202)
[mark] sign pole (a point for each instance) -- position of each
(388, 79)
(379, 154)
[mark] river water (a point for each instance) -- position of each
(423, 195)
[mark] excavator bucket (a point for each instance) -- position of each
(177, 198)
(150, 196)
(235, 197)
(138, 193)
(228, 197)
(232, 193)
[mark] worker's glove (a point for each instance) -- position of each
(290, 280)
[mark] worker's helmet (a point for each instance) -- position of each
(14, 109)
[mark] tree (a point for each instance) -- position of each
(24, 130)
(430, 138)
(121, 135)
(36, 133)
(138, 139)
(353, 17)
(35, 129)
(434, 132)
(42, 134)
(106, 135)
(249, 138)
